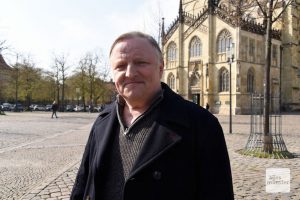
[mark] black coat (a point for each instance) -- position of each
(54, 107)
(184, 158)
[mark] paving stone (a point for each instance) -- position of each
(55, 194)
(248, 172)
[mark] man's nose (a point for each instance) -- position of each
(130, 70)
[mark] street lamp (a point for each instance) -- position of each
(230, 58)
(17, 86)
(280, 78)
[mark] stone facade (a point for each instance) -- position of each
(4, 75)
(195, 48)
(4, 69)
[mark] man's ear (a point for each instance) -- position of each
(161, 68)
(161, 65)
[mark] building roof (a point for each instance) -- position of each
(223, 13)
(3, 64)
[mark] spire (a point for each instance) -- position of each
(211, 5)
(180, 12)
(163, 30)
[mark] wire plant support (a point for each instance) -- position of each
(259, 145)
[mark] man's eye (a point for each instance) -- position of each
(141, 62)
(120, 66)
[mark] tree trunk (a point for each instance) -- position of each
(268, 147)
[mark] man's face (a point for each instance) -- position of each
(137, 70)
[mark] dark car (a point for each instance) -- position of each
(69, 108)
(17, 107)
(48, 107)
(6, 106)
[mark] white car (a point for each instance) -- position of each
(39, 108)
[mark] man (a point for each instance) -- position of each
(207, 106)
(151, 144)
(54, 109)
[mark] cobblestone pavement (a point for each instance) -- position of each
(35, 148)
(248, 172)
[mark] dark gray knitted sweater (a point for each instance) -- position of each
(127, 143)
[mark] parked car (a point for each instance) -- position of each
(69, 108)
(17, 107)
(48, 107)
(6, 106)
(78, 108)
(39, 108)
(31, 107)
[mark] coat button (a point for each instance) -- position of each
(156, 175)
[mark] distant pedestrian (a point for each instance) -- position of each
(207, 106)
(90, 108)
(54, 109)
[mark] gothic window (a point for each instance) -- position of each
(259, 52)
(171, 81)
(250, 81)
(251, 47)
(224, 41)
(274, 54)
(195, 47)
(223, 80)
(171, 51)
(243, 49)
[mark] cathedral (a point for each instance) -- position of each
(208, 50)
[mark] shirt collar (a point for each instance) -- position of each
(121, 103)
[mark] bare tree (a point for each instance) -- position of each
(3, 46)
(91, 73)
(50, 86)
(56, 77)
(83, 77)
(267, 8)
(28, 77)
(153, 21)
(60, 66)
(91, 61)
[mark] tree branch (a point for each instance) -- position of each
(283, 9)
(261, 9)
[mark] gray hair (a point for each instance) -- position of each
(137, 34)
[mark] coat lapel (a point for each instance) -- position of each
(159, 141)
(105, 132)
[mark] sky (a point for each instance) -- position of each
(39, 30)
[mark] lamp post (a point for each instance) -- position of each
(230, 58)
(17, 86)
(280, 78)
